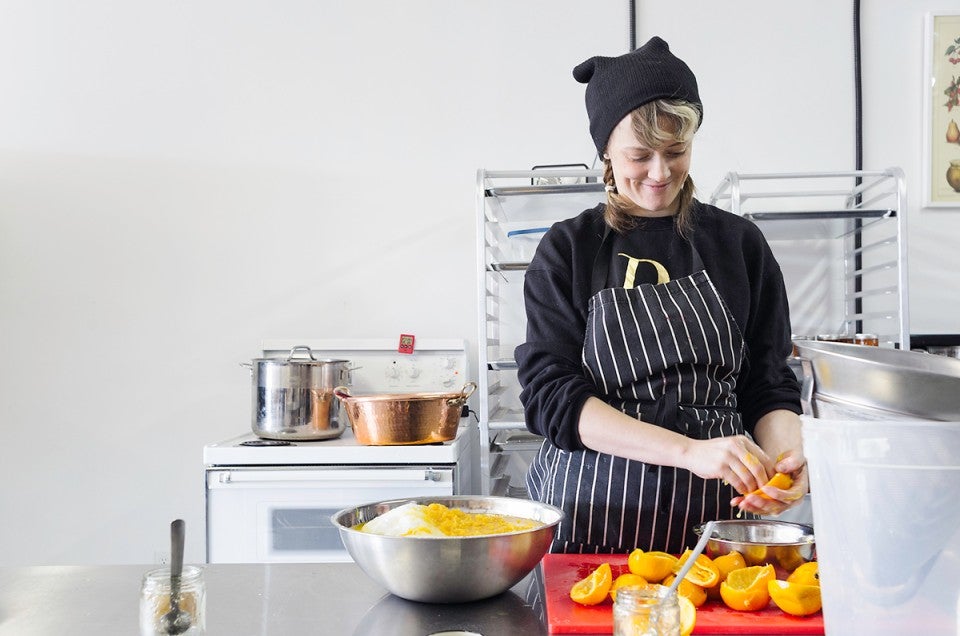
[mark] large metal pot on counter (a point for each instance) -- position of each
(404, 418)
(293, 397)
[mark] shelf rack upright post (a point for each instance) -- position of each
(514, 208)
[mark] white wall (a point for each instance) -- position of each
(179, 181)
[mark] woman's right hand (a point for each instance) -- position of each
(736, 460)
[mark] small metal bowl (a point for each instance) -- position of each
(784, 545)
(449, 569)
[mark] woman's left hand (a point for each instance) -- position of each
(775, 500)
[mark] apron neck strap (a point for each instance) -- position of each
(601, 263)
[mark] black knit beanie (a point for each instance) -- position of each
(618, 85)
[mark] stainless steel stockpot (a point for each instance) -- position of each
(293, 397)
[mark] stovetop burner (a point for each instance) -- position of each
(266, 442)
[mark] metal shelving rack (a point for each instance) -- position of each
(509, 205)
(841, 241)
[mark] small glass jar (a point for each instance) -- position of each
(155, 600)
(651, 610)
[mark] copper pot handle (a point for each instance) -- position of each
(465, 393)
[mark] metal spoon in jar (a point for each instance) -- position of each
(176, 621)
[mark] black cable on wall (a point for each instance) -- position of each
(858, 88)
(858, 156)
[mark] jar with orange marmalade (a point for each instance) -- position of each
(155, 592)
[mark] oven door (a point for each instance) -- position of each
(280, 515)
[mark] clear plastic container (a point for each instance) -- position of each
(887, 523)
(155, 600)
(523, 243)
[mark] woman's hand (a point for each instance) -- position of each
(777, 500)
(779, 433)
(736, 460)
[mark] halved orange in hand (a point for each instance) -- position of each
(726, 563)
(746, 589)
(627, 578)
(593, 589)
(780, 480)
(703, 573)
(797, 599)
(653, 566)
(807, 574)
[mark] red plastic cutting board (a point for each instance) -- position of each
(561, 571)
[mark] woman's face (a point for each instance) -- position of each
(650, 177)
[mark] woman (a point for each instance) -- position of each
(657, 336)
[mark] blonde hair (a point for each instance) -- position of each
(655, 124)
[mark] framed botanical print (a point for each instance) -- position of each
(941, 112)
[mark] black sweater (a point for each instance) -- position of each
(558, 285)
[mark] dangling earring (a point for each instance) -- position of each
(610, 188)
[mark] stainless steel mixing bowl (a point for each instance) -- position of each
(784, 545)
(449, 569)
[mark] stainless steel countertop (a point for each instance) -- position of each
(281, 600)
(251, 599)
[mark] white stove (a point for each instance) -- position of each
(272, 503)
(244, 450)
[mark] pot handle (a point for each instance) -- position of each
(807, 387)
(342, 392)
(465, 393)
(301, 348)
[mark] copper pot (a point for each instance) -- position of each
(404, 419)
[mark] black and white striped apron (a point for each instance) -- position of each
(668, 354)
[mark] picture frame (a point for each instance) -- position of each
(941, 111)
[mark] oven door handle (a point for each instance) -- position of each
(270, 478)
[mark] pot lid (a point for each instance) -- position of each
(296, 356)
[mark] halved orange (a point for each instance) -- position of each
(780, 480)
(696, 594)
(788, 556)
(627, 578)
(653, 566)
(703, 573)
(797, 599)
(688, 616)
(807, 574)
(726, 563)
(746, 589)
(593, 589)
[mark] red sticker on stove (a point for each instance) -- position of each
(406, 343)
